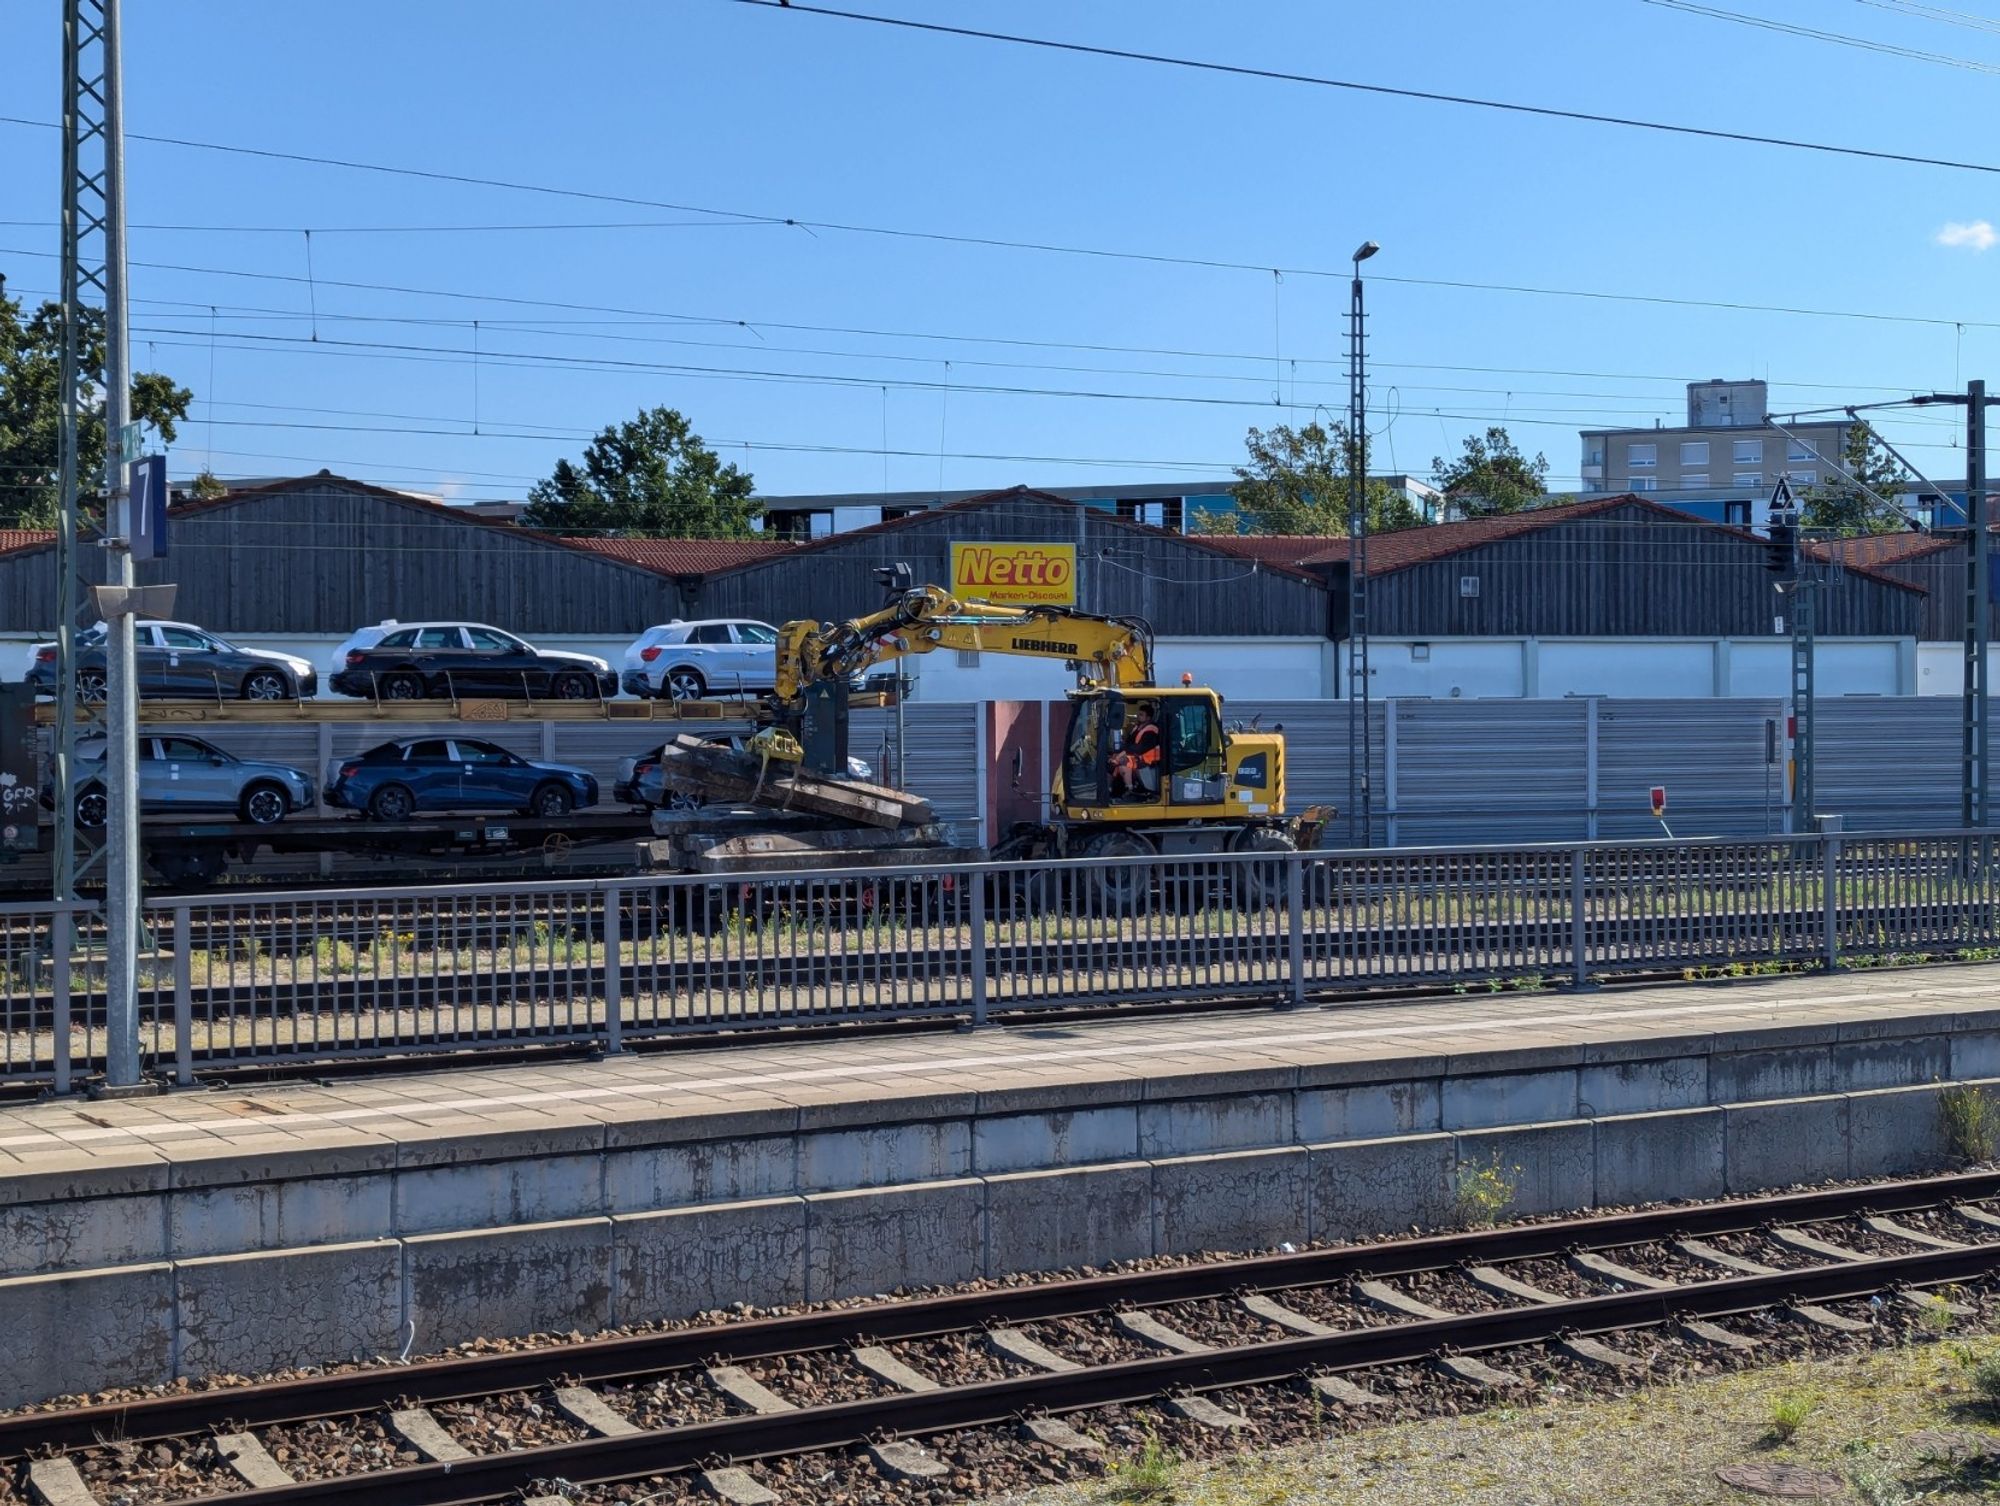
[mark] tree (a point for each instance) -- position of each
(31, 412)
(1491, 477)
(1837, 508)
(1296, 482)
(651, 478)
(207, 486)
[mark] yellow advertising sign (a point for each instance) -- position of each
(1015, 575)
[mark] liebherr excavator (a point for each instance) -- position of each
(1146, 769)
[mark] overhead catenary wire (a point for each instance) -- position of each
(1865, 44)
(1427, 96)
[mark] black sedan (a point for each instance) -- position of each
(456, 659)
(177, 659)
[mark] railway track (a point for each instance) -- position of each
(711, 1405)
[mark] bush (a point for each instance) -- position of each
(1482, 1193)
(1971, 1121)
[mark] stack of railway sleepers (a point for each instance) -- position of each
(723, 776)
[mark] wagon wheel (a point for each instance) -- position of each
(556, 848)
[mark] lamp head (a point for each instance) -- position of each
(1368, 249)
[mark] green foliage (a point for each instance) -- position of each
(31, 412)
(333, 955)
(1934, 1312)
(1148, 1476)
(1837, 507)
(649, 478)
(1980, 1372)
(1874, 1477)
(207, 487)
(1490, 476)
(1789, 1412)
(1482, 1193)
(1971, 1121)
(1295, 482)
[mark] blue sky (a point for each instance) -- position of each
(722, 106)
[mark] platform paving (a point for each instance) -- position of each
(438, 1116)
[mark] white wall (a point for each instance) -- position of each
(1669, 668)
(1308, 668)
(1242, 668)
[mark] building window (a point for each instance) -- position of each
(1796, 451)
(1639, 456)
(1642, 484)
(968, 658)
(1694, 452)
(1693, 479)
(1750, 478)
(1164, 512)
(1802, 478)
(1736, 514)
(1594, 455)
(1749, 452)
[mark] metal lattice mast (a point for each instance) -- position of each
(1975, 808)
(1360, 793)
(85, 220)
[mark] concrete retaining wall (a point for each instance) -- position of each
(149, 1321)
(180, 1261)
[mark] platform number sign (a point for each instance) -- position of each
(20, 771)
(147, 483)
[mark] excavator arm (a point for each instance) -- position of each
(1118, 651)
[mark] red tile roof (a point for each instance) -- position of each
(685, 556)
(24, 538)
(1877, 549)
(1405, 547)
(1201, 543)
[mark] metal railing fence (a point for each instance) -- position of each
(248, 977)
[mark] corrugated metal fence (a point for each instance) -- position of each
(1580, 769)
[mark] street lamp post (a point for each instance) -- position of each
(1360, 793)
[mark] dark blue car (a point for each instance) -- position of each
(398, 780)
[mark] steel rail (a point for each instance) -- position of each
(608, 1360)
(473, 1482)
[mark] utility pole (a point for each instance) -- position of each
(93, 223)
(121, 697)
(1797, 589)
(1360, 791)
(1976, 774)
(1976, 806)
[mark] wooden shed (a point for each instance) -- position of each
(324, 554)
(1610, 567)
(1184, 586)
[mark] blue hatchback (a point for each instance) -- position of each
(400, 779)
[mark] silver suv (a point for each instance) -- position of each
(184, 774)
(722, 656)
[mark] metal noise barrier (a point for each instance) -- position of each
(252, 977)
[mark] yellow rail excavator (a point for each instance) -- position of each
(1146, 769)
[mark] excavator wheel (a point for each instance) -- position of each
(1261, 885)
(1121, 888)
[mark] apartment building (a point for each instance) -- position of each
(1723, 464)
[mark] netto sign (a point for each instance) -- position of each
(1017, 575)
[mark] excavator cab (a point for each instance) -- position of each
(1154, 753)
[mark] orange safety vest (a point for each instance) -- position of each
(1146, 743)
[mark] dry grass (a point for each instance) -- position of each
(1658, 1445)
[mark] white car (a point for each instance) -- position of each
(685, 661)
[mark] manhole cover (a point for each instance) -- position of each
(1786, 1480)
(1944, 1443)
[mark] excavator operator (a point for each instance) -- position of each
(1135, 768)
